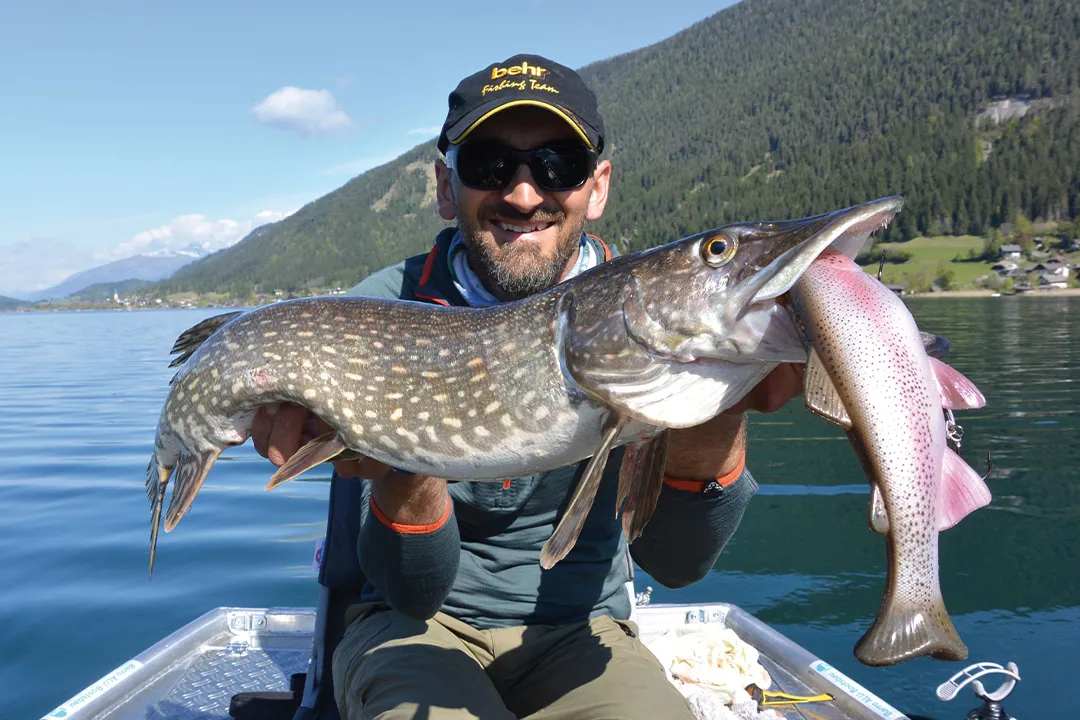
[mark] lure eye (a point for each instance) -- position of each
(718, 250)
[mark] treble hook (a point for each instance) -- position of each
(953, 431)
(881, 265)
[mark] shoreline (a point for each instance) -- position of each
(971, 293)
(1056, 292)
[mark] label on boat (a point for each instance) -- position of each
(104, 684)
(868, 699)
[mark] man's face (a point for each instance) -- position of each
(522, 239)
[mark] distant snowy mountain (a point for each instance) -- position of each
(155, 265)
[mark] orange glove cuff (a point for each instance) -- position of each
(698, 486)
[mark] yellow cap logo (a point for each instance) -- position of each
(523, 69)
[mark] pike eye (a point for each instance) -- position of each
(718, 250)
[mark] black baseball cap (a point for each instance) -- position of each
(523, 80)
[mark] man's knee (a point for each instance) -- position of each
(389, 666)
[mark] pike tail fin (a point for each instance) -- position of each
(157, 480)
(904, 631)
(566, 532)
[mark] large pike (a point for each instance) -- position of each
(869, 372)
(663, 338)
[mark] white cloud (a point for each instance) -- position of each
(188, 230)
(308, 112)
(434, 130)
(35, 263)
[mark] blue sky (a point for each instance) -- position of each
(138, 126)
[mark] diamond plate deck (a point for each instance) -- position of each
(205, 690)
(193, 673)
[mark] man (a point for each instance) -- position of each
(459, 619)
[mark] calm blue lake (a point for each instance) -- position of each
(79, 399)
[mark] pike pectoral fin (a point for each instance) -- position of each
(325, 447)
(191, 470)
(641, 478)
(957, 392)
(569, 527)
(961, 491)
(820, 394)
(190, 340)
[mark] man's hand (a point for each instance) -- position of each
(772, 393)
(278, 431)
(716, 447)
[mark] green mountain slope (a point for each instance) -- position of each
(769, 109)
(7, 303)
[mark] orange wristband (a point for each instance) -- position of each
(412, 529)
(699, 486)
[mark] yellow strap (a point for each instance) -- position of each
(781, 698)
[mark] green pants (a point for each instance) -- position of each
(391, 667)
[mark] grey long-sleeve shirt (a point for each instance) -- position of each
(480, 562)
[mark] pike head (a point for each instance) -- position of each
(673, 336)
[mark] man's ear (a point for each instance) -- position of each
(599, 193)
(444, 191)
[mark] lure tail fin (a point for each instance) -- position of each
(904, 631)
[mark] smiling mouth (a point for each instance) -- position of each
(522, 229)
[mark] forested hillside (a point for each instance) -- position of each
(769, 109)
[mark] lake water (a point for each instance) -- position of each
(79, 399)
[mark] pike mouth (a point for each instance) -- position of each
(843, 230)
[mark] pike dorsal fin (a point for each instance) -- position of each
(820, 393)
(190, 340)
(569, 527)
(325, 447)
(641, 478)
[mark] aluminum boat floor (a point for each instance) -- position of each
(193, 673)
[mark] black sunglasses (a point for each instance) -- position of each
(487, 166)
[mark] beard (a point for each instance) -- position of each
(518, 270)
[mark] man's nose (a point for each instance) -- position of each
(523, 192)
